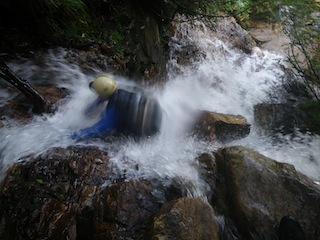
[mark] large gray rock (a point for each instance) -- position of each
(228, 30)
(286, 117)
(187, 219)
(270, 36)
(275, 117)
(260, 191)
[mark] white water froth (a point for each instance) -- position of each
(220, 79)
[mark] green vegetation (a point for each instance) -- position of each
(118, 42)
(79, 22)
(45, 21)
(302, 25)
(119, 24)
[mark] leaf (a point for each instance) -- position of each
(39, 180)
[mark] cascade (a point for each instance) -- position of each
(211, 76)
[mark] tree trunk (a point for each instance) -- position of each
(40, 105)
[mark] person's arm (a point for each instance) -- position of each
(107, 122)
(93, 105)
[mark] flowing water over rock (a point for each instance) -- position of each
(204, 73)
(175, 185)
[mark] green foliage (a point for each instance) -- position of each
(243, 9)
(301, 23)
(39, 180)
(68, 19)
(118, 43)
(46, 21)
(240, 9)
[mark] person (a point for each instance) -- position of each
(134, 113)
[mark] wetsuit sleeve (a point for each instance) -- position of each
(93, 106)
(107, 122)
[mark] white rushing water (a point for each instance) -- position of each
(218, 79)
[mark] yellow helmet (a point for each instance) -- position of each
(104, 86)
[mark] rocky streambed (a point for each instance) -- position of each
(77, 192)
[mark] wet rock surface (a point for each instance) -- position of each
(285, 118)
(221, 127)
(270, 36)
(230, 31)
(76, 193)
(20, 107)
(261, 191)
(276, 117)
(185, 218)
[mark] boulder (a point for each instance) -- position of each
(186, 219)
(228, 30)
(286, 117)
(43, 197)
(270, 36)
(125, 210)
(260, 191)
(74, 193)
(275, 117)
(221, 127)
(20, 107)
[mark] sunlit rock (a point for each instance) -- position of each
(221, 127)
(261, 191)
(229, 31)
(270, 36)
(187, 219)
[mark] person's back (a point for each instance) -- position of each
(136, 113)
(133, 113)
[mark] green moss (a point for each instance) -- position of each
(118, 42)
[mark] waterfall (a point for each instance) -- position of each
(214, 77)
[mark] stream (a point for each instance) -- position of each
(216, 78)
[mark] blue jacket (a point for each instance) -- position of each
(126, 112)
